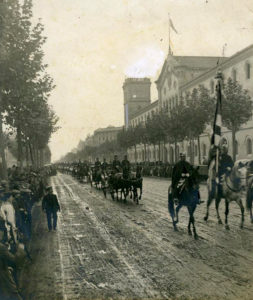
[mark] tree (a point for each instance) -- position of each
(176, 124)
(156, 130)
(198, 113)
(25, 86)
(236, 108)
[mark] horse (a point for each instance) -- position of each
(125, 186)
(230, 188)
(136, 183)
(189, 197)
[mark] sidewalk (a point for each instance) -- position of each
(41, 279)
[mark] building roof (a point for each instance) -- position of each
(199, 62)
(107, 129)
(193, 62)
(145, 109)
(222, 65)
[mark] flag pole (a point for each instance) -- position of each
(219, 78)
(169, 34)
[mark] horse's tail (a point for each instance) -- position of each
(249, 198)
(171, 207)
(249, 194)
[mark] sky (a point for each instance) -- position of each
(92, 46)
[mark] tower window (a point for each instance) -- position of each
(204, 150)
(249, 146)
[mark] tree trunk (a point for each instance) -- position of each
(164, 152)
(2, 153)
(20, 150)
(135, 154)
(191, 152)
(233, 144)
(41, 157)
(199, 150)
(31, 153)
(175, 152)
(155, 153)
(145, 152)
(26, 155)
(159, 151)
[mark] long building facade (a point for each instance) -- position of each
(180, 75)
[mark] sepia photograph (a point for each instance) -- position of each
(126, 149)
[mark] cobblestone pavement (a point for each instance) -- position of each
(105, 249)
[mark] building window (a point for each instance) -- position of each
(196, 150)
(164, 90)
(189, 150)
(176, 100)
(247, 71)
(234, 75)
(249, 146)
(204, 149)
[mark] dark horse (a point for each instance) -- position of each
(230, 188)
(189, 197)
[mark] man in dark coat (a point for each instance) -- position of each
(225, 162)
(104, 165)
(125, 167)
(181, 168)
(116, 164)
(97, 164)
(51, 206)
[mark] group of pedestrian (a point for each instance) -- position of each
(18, 193)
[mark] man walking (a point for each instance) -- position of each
(51, 206)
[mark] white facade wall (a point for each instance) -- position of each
(170, 91)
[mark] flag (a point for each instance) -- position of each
(172, 25)
(215, 141)
(216, 137)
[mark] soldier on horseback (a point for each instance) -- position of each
(104, 165)
(225, 162)
(125, 164)
(97, 164)
(116, 164)
(181, 170)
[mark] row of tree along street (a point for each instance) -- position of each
(25, 85)
(186, 121)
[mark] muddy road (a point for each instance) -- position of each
(110, 250)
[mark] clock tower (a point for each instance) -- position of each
(136, 96)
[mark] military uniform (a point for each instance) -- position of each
(116, 165)
(104, 166)
(182, 167)
(225, 162)
(126, 168)
(97, 164)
